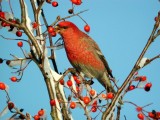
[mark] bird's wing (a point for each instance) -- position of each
(99, 54)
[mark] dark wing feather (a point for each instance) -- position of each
(99, 54)
(105, 64)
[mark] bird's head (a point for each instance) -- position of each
(65, 28)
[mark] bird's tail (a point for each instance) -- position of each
(105, 81)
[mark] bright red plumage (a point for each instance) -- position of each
(84, 54)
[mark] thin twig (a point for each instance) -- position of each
(40, 6)
(67, 17)
(118, 112)
(10, 7)
(14, 39)
(125, 117)
(51, 44)
(152, 59)
(126, 82)
(11, 23)
(8, 98)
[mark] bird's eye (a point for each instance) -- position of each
(65, 27)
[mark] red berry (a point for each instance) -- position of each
(132, 87)
(61, 82)
(87, 28)
(94, 109)
(94, 103)
(48, 1)
(110, 95)
(92, 92)
(143, 78)
(140, 116)
(36, 117)
(13, 21)
(77, 88)
(151, 115)
(139, 109)
(19, 33)
(75, 77)
(50, 29)
(76, 2)
(2, 86)
(147, 87)
(104, 96)
(52, 102)
(79, 2)
(41, 112)
(86, 99)
(2, 15)
(158, 115)
(13, 79)
(10, 105)
(3, 24)
(54, 4)
(20, 44)
(35, 25)
(69, 83)
(72, 105)
(78, 81)
(53, 34)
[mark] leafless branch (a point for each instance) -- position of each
(135, 68)
(59, 19)
(9, 22)
(14, 39)
(26, 30)
(51, 43)
(118, 112)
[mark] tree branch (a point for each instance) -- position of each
(26, 29)
(136, 67)
(51, 44)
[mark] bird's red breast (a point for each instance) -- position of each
(79, 50)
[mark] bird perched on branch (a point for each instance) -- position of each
(84, 54)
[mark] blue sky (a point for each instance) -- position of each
(120, 28)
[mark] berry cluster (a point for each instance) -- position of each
(40, 115)
(75, 85)
(142, 83)
(10, 27)
(70, 11)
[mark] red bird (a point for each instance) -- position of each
(84, 54)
